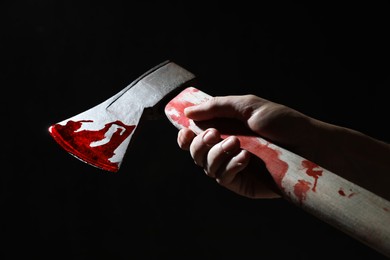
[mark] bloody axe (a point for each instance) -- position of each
(101, 135)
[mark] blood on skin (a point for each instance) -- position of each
(78, 142)
(311, 171)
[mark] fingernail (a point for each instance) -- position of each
(228, 145)
(209, 137)
(180, 137)
(188, 110)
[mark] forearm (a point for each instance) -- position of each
(368, 160)
(354, 156)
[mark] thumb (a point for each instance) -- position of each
(219, 107)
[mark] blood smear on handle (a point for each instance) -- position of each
(300, 190)
(271, 157)
(178, 104)
(311, 171)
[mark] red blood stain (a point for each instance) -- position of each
(342, 193)
(78, 142)
(270, 156)
(300, 190)
(386, 209)
(315, 173)
(178, 104)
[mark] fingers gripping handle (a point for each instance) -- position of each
(350, 208)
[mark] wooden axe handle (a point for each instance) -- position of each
(337, 201)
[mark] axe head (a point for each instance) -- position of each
(101, 135)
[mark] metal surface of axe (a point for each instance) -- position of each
(101, 135)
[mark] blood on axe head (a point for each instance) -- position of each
(101, 135)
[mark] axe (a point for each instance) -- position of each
(101, 135)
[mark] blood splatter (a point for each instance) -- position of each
(300, 190)
(342, 193)
(178, 104)
(311, 171)
(79, 143)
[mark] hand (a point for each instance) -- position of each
(232, 167)
(346, 152)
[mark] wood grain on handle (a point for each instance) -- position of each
(337, 201)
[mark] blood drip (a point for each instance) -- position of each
(311, 171)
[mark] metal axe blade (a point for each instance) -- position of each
(101, 135)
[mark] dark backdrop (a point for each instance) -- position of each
(62, 57)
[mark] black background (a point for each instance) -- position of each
(62, 57)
